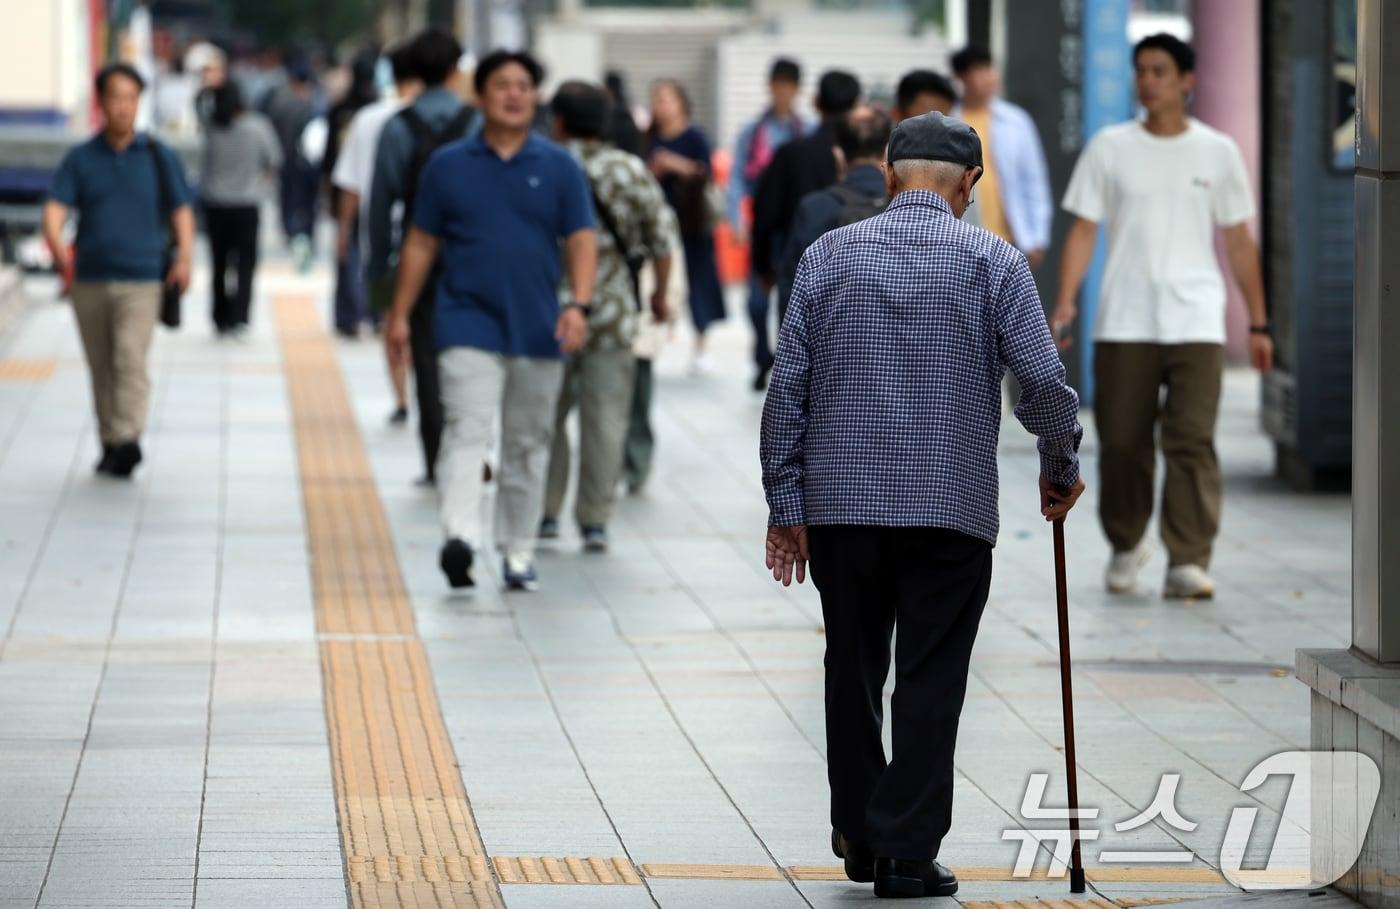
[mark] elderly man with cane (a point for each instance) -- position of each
(879, 454)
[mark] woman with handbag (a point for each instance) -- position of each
(679, 156)
(240, 152)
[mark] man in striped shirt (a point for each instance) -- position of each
(879, 451)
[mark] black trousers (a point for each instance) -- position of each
(425, 375)
(932, 584)
(233, 240)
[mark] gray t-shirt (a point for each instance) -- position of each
(236, 158)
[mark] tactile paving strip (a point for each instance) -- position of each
(406, 825)
(17, 370)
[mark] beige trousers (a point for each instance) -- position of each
(116, 320)
(599, 384)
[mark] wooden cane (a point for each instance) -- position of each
(1076, 874)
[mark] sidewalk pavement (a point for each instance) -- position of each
(166, 665)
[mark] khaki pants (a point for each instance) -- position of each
(1128, 380)
(115, 320)
(600, 384)
(478, 387)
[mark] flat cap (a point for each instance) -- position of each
(934, 137)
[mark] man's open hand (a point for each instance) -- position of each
(787, 554)
(1055, 503)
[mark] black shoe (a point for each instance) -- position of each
(427, 481)
(760, 381)
(399, 417)
(906, 878)
(108, 453)
(456, 563)
(125, 457)
(860, 861)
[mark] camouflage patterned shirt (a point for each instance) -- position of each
(633, 198)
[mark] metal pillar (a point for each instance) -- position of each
(1375, 611)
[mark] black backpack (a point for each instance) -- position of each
(857, 206)
(425, 142)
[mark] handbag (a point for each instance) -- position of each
(169, 294)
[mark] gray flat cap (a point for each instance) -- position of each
(934, 137)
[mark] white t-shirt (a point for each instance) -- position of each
(354, 169)
(1160, 200)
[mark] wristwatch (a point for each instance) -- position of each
(1266, 329)
(587, 308)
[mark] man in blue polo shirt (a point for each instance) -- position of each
(497, 206)
(124, 188)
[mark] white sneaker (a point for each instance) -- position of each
(702, 365)
(1188, 582)
(1123, 568)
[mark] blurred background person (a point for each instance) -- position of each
(1013, 199)
(922, 91)
(634, 226)
(291, 107)
(351, 298)
(241, 156)
(352, 176)
(798, 168)
(129, 193)
(622, 125)
(436, 117)
(679, 156)
(861, 136)
(753, 152)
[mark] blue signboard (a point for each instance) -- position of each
(1108, 96)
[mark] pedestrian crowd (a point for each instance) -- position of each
(521, 254)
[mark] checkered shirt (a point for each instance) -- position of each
(885, 401)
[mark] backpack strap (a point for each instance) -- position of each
(422, 132)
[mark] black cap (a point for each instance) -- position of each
(934, 137)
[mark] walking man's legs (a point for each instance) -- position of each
(605, 404)
(560, 458)
(759, 308)
(640, 441)
(1127, 388)
(94, 312)
(527, 426)
(943, 578)
(858, 608)
(425, 378)
(136, 307)
(472, 384)
(1192, 489)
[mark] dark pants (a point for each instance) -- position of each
(640, 442)
(351, 294)
(425, 376)
(300, 184)
(1128, 379)
(932, 584)
(233, 240)
(759, 307)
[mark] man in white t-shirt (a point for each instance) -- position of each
(1160, 187)
(353, 174)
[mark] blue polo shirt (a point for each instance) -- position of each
(121, 230)
(500, 223)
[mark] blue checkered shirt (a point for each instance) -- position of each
(885, 401)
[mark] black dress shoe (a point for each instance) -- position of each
(456, 563)
(105, 465)
(125, 457)
(860, 861)
(904, 878)
(760, 381)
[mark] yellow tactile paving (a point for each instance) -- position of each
(19, 370)
(714, 872)
(565, 870)
(406, 825)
